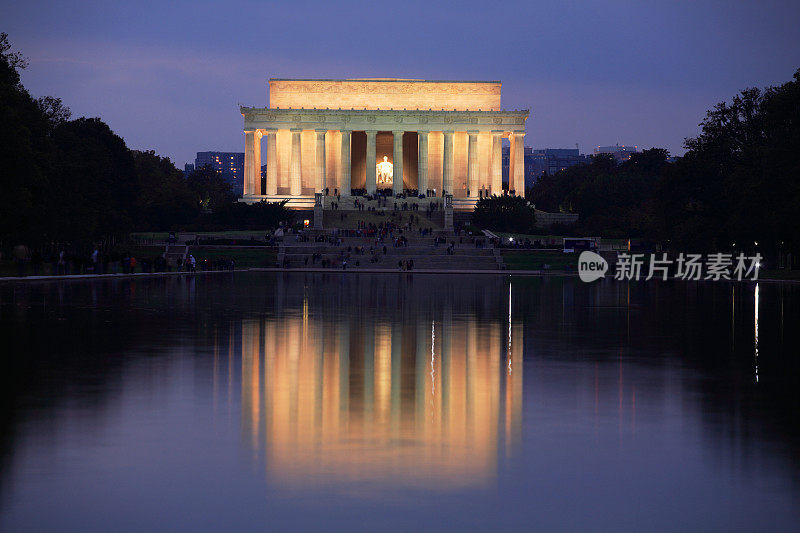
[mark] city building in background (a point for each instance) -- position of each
(620, 152)
(188, 168)
(229, 164)
(539, 161)
(552, 160)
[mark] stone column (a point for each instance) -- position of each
(272, 162)
(447, 164)
(344, 184)
(518, 155)
(497, 162)
(397, 156)
(472, 164)
(319, 183)
(249, 155)
(422, 163)
(511, 159)
(295, 187)
(252, 163)
(372, 161)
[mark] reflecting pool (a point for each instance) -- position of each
(298, 401)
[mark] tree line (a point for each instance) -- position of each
(737, 184)
(67, 180)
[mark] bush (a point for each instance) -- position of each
(504, 213)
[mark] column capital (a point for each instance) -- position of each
(345, 132)
(371, 132)
(398, 132)
(422, 132)
(472, 133)
(448, 132)
(321, 130)
(497, 132)
(268, 131)
(296, 130)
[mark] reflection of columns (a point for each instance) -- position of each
(272, 162)
(294, 164)
(344, 370)
(422, 163)
(421, 358)
(319, 185)
(514, 376)
(372, 161)
(383, 375)
(516, 178)
(252, 162)
(472, 164)
(344, 183)
(397, 156)
(445, 333)
(369, 373)
(497, 163)
(397, 370)
(447, 164)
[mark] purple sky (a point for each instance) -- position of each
(168, 76)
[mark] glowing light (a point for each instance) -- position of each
(756, 330)
(509, 328)
(433, 358)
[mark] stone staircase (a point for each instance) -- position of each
(175, 255)
(426, 256)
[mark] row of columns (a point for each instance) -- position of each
(252, 162)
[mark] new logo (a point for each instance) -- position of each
(591, 266)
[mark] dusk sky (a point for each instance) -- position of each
(168, 76)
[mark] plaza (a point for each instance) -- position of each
(354, 137)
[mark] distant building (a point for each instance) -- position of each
(229, 164)
(188, 168)
(552, 160)
(539, 161)
(620, 152)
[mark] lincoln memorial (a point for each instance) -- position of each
(357, 136)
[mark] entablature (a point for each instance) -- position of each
(262, 118)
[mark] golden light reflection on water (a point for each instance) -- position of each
(428, 401)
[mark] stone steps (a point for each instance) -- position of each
(390, 260)
(410, 251)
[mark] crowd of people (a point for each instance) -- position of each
(65, 260)
(378, 238)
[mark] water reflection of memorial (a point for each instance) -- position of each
(434, 400)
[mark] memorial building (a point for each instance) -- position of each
(397, 136)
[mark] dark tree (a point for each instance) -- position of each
(166, 200)
(211, 189)
(94, 189)
(740, 178)
(504, 213)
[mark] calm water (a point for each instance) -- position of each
(322, 401)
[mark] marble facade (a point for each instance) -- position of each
(329, 135)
